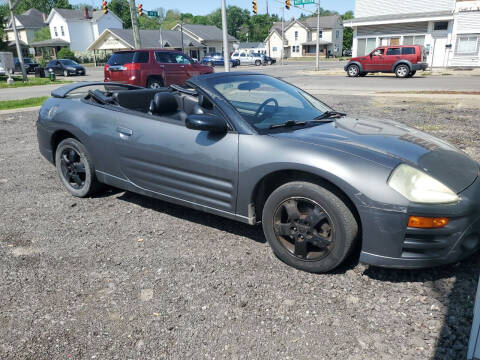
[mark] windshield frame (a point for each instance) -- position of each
(266, 131)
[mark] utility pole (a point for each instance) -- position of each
(17, 42)
(160, 27)
(317, 56)
(226, 53)
(136, 31)
(181, 30)
(283, 33)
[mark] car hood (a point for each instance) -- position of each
(395, 143)
(358, 58)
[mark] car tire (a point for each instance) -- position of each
(412, 73)
(353, 70)
(402, 71)
(155, 83)
(363, 74)
(65, 73)
(75, 168)
(258, 62)
(269, 62)
(292, 237)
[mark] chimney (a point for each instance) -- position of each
(85, 12)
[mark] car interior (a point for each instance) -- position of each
(174, 102)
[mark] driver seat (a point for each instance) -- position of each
(165, 104)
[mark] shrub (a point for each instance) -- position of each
(65, 53)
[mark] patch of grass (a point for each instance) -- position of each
(16, 104)
(31, 82)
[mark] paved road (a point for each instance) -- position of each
(301, 74)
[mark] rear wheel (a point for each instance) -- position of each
(258, 62)
(308, 227)
(402, 71)
(412, 74)
(353, 70)
(75, 168)
(155, 83)
(269, 62)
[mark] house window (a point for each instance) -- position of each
(211, 50)
(414, 40)
(296, 35)
(365, 46)
(337, 34)
(467, 45)
(274, 49)
(55, 31)
(321, 34)
(295, 49)
(440, 26)
(63, 32)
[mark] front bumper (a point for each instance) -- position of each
(388, 242)
(419, 66)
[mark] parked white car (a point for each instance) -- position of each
(247, 58)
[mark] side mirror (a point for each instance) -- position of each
(206, 122)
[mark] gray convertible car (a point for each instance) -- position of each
(253, 148)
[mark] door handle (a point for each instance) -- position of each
(124, 132)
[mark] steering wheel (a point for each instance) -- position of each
(262, 106)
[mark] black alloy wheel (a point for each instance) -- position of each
(308, 226)
(304, 228)
(75, 168)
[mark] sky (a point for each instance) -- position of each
(203, 7)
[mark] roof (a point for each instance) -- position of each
(21, 42)
(151, 38)
(397, 17)
(206, 32)
(50, 43)
(79, 15)
(31, 19)
(314, 42)
(250, 45)
(326, 22)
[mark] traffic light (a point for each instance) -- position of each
(140, 10)
(104, 7)
(254, 4)
(288, 3)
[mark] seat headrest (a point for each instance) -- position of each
(164, 103)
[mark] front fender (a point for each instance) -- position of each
(356, 63)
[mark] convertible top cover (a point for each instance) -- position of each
(63, 91)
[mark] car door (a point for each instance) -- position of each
(162, 156)
(376, 60)
(173, 73)
(186, 67)
(393, 54)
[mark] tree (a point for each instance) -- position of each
(44, 6)
(42, 34)
(66, 53)
(347, 31)
(148, 23)
(122, 10)
(4, 13)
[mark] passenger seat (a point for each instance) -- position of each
(165, 104)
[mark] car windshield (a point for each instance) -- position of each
(265, 101)
(68, 62)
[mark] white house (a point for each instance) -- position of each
(80, 27)
(449, 29)
(300, 37)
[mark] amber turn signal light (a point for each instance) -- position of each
(427, 222)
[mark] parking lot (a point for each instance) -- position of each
(121, 276)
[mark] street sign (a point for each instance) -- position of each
(303, 2)
(152, 13)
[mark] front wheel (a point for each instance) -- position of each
(65, 73)
(75, 168)
(308, 227)
(402, 71)
(353, 70)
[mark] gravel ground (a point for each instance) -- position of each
(122, 276)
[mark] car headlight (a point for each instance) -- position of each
(419, 187)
